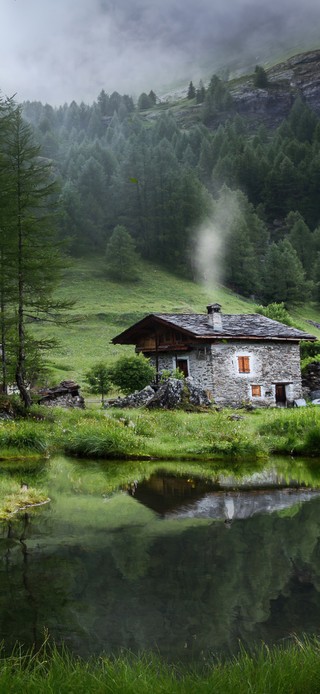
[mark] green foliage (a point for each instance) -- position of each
(309, 349)
(284, 279)
(132, 373)
(98, 378)
(276, 312)
(121, 257)
(174, 373)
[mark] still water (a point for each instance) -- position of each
(186, 564)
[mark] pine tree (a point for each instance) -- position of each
(191, 91)
(284, 278)
(260, 78)
(121, 257)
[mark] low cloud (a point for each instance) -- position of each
(62, 50)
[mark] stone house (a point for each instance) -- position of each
(237, 358)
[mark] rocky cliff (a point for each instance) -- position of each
(297, 76)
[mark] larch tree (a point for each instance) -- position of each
(27, 224)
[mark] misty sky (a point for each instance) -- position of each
(58, 50)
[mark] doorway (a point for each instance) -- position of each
(281, 398)
(182, 365)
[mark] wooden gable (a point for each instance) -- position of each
(162, 338)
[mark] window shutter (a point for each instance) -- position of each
(244, 365)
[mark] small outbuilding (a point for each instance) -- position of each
(238, 359)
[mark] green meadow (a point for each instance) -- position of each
(104, 308)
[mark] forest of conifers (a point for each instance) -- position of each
(162, 182)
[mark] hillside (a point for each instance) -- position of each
(103, 309)
(296, 76)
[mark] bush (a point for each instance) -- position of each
(132, 373)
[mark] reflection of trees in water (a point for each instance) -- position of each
(186, 589)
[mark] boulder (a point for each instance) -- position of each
(137, 399)
(172, 393)
(65, 394)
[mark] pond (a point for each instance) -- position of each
(185, 564)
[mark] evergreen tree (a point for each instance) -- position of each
(145, 102)
(121, 257)
(200, 93)
(284, 278)
(260, 78)
(152, 96)
(301, 239)
(191, 91)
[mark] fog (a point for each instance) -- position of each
(60, 50)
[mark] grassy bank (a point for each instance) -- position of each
(164, 435)
(295, 669)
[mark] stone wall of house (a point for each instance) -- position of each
(215, 367)
(270, 363)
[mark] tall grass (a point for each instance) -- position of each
(293, 431)
(106, 438)
(292, 670)
(24, 435)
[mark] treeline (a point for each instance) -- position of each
(161, 182)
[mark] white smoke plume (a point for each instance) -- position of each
(212, 237)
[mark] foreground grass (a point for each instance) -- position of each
(291, 670)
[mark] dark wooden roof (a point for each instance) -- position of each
(199, 327)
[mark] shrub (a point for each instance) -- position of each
(132, 373)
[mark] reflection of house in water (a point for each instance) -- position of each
(182, 497)
(163, 493)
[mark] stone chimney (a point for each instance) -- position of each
(214, 316)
